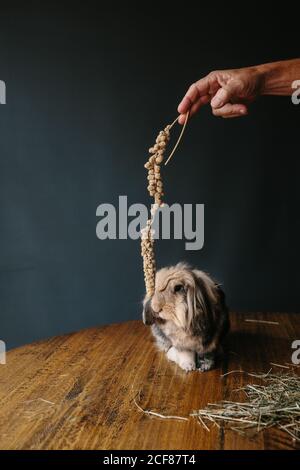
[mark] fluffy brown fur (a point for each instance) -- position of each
(188, 315)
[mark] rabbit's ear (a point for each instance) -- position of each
(191, 306)
(212, 319)
(199, 307)
(222, 314)
(148, 316)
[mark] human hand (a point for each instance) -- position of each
(229, 93)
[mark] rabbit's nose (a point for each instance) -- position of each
(157, 312)
(156, 307)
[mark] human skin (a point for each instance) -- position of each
(230, 92)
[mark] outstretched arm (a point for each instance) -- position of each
(230, 92)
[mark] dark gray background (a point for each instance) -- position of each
(87, 91)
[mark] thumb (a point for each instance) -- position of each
(221, 98)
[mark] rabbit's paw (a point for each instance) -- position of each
(187, 364)
(206, 362)
(185, 359)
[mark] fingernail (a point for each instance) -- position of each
(242, 111)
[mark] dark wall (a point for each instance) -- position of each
(87, 91)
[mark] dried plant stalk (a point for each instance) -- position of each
(267, 322)
(158, 415)
(156, 191)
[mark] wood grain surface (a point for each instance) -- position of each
(76, 391)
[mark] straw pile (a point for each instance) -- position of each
(274, 402)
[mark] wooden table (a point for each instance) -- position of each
(76, 391)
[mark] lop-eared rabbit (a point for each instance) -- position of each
(188, 316)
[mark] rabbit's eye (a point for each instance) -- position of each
(179, 288)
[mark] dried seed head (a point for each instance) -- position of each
(155, 188)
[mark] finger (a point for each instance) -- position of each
(189, 99)
(234, 116)
(230, 110)
(201, 101)
(195, 107)
(221, 98)
(181, 119)
(202, 87)
(208, 85)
